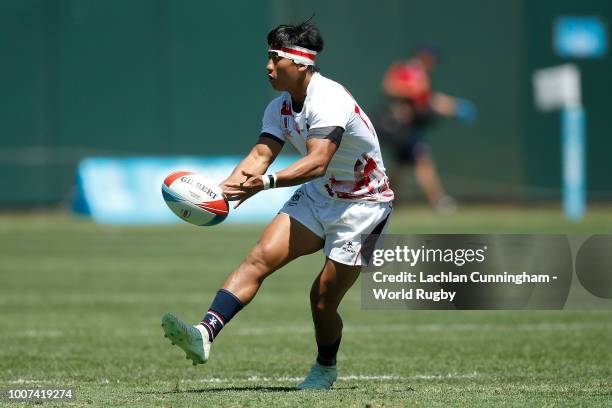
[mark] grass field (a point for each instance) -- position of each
(81, 307)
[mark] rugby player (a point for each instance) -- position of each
(344, 195)
(411, 109)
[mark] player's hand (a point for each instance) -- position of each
(242, 191)
(466, 110)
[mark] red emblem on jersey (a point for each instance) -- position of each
(369, 180)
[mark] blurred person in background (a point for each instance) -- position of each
(410, 109)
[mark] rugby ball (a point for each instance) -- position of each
(195, 198)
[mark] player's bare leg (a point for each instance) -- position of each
(427, 177)
(282, 241)
(327, 292)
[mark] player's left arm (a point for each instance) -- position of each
(261, 156)
(256, 162)
(320, 152)
(321, 146)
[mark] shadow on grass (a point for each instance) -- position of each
(233, 389)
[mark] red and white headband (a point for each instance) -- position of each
(299, 55)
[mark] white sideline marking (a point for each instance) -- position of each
(353, 377)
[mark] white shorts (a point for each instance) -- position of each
(349, 228)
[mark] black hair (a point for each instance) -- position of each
(303, 35)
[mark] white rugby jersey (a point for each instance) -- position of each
(356, 172)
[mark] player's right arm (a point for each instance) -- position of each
(257, 161)
(264, 152)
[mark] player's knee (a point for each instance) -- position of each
(320, 308)
(321, 303)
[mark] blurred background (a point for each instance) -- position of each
(84, 78)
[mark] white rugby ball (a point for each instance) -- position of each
(195, 198)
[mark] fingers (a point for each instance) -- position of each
(251, 184)
(231, 188)
(240, 192)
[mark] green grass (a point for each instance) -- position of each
(81, 307)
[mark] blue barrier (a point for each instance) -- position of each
(573, 144)
(128, 190)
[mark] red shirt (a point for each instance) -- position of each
(408, 80)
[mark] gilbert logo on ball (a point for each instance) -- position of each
(195, 198)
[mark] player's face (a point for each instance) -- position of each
(283, 73)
